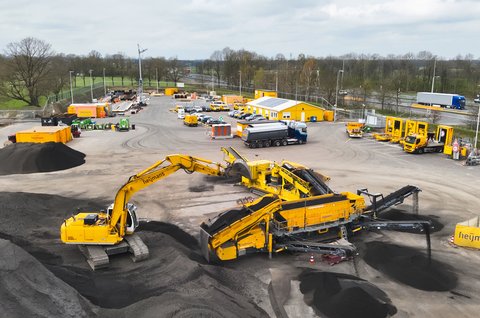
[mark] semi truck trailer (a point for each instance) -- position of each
(444, 100)
(275, 134)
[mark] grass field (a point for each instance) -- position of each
(80, 87)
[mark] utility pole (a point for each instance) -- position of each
(140, 80)
(213, 82)
(91, 85)
(336, 98)
(240, 83)
(476, 131)
(71, 87)
(276, 82)
(433, 78)
(156, 77)
(104, 83)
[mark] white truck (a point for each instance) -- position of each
(443, 100)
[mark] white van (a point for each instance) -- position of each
(181, 113)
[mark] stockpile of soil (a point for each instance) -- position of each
(174, 282)
(340, 295)
(28, 289)
(410, 266)
(22, 158)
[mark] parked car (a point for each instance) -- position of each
(213, 121)
(232, 113)
(238, 106)
(206, 108)
(205, 118)
(254, 117)
(245, 115)
(240, 113)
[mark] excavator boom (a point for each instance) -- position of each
(100, 234)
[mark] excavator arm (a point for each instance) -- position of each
(155, 173)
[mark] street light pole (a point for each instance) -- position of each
(104, 84)
(336, 97)
(476, 131)
(156, 77)
(276, 81)
(213, 82)
(91, 85)
(433, 78)
(140, 80)
(71, 87)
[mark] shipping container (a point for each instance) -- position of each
(41, 134)
(169, 91)
(95, 110)
(231, 99)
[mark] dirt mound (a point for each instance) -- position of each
(28, 289)
(170, 229)
(399, 215)
(22, 158)
(173, 282)
(410, 266)
(340, 295)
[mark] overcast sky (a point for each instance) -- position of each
(193, 29)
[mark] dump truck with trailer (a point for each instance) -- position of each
(444, 100)
(275, 134)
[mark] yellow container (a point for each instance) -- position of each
(468, 233)
(169, 91)
(328, 115)
(42, 134)
(463, 151)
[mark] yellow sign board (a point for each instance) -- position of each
(468, 233)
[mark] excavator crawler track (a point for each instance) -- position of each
(137, 248)
(96, 256)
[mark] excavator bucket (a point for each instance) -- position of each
(239, 168)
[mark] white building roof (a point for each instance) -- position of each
(273, 103)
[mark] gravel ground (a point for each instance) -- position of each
(449, 195)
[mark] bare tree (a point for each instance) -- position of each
(174, 70)
(27, 70)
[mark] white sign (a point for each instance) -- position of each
(181, 85)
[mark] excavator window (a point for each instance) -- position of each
(129, 220)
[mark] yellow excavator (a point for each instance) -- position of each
(100, 234)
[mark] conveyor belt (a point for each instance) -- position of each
(392, 199)
(318, 186)
(227, 218)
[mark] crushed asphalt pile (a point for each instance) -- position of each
(340, 295)
(22, 158)
(409, 266)
(54, 280)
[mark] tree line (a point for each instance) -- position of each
(360, 74)
(30, 69)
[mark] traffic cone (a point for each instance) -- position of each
(312, 260)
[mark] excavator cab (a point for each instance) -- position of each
(132, 220)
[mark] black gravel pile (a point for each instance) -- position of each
(339, 295)
(23, 158)
(409, 266)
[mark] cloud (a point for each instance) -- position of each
(192, 29)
